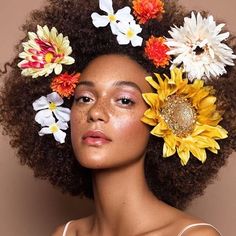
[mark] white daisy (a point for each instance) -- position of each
(111, 17)
(197, 45)
(128, 33)
(47, 106)
(56, 129)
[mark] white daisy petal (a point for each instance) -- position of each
(99, 21)
(114, 28)
(62, 125)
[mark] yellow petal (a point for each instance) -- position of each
(184, 156)
(151, 99)
(159, 130)
(208, 101)
(152, 82)
(148, 121)
(168, 151)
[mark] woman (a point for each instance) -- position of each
(113, 151)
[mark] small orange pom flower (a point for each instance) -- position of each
(156, 50)
(145, 10)
(65, 84)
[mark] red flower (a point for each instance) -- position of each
(156, 51)
(145, 10)
(65, 84)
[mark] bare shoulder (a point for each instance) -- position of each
(201, 230)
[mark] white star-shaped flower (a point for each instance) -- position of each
(47, 106)
(128, 33)
(111, 17)
(55, 128)
(197, 45)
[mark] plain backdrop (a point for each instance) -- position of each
(31, 207)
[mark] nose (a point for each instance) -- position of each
(99, 112)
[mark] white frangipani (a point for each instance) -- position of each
(111, 17)
(55, 128)
(122, 23)
(197, 45)
(128, 33)
(47, 108)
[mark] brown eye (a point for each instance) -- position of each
(126, 101)
(83, 99)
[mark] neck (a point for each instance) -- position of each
(120, 195)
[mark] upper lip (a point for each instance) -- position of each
(95, 134)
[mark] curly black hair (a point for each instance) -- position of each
(171, 182)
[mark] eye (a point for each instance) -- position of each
(126, 101)
(83, 99)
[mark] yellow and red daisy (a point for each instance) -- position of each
(44, 52)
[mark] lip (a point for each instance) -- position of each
(95, 138)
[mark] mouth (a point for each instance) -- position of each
(95, 138)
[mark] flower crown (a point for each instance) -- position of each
(182, 111)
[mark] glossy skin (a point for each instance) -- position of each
(109, 138)
(108, 100)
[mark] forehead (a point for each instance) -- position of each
(107, 69)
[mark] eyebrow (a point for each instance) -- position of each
(115, 84)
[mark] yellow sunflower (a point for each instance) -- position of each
(184, 115)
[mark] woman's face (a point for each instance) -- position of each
(106, 130)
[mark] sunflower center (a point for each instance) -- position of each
(179, 115)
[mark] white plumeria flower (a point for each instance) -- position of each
(198, 46)
(128, 33)
(111, 17)
(47, 106)
(55, 128)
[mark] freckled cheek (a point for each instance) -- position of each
(130, 129)
(78, 118)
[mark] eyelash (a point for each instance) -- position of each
(130, 101)
(78, 99)
(125, 101)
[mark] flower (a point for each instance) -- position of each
(184, 115)
(146, 10)
(128, 33)
(156, 51)
(111, 17)
(44, 52)
(65, 84)
(47, 106)
(56, 129)
(198, 46)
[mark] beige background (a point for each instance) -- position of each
(30, 207)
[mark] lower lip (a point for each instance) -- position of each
(93, 141)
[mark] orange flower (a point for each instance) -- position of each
(156, 51)
(145, 10)
(65, 84)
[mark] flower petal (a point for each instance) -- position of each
(55, 98)
(106, 5)
(41, 103)
(62, 114)
(99, 21)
